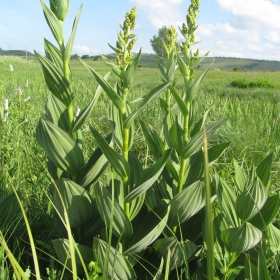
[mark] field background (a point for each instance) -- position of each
(252, 112)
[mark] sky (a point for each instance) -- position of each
(228, 28)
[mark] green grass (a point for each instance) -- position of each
(252, 127)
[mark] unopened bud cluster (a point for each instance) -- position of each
(126, 40)
(60, 8)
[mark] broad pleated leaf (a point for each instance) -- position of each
(177, 249)
(251, 200)
(53, 23)
(69, 46)
(114, 67)
(200, 123)
(159, 273)
(56, 81)
(57, 113)
(216, 151)
(195, 86)
(153, 140)
(85, 113)
(135, 175)
(112, 94)
(197, 140)
(264, 169)
(131, 68)
(148, 229)
(184, 69)
(79, 204)
(10, 212)
(116, 160)
(147, 99)
(182, 105)
(239, 177)
(267, 213)
(122, 227)
(62, 249)
(227, 198)
(63, 151)
(94, 171)
(187, 203)
(150, 175)
(53, 54)
(273, 237)
(242, 238)
(198, 60)
(263, 272)
(118, 266)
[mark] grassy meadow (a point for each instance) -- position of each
(252, 128)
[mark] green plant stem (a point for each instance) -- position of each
(208, 218)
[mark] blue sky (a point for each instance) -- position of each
(234, 28)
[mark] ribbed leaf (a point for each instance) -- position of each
(184, 69)
(54, 23)
(62, 150)
(242, 238)
(148, 98)
(85, 113)
(136, 173)
(122, 227)
(150, 175)
(251, 200)
(267, 213)
(53, 54)
(186, 203)
(177, 248)
(215, 152)
(263, 272)
(62, 249)
(148, 229)
(239, 177)
(264, 169)
(112, 94)
(195, 86)
(200, 123)
(130, 71)
(118, 267)
(116, 160)
(182, 105)
(56, 81)
(79, 204)
(197, 140)
(158, 275)
(198, 60)
(10, 211)
(227, 200)
(273, 238)
(153, 140)
(57, 113)
(69, 46)
(115, 68)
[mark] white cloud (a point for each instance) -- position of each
(254, 47)
(160, 12)
(273, 37)
(261, 12)
(84, 50)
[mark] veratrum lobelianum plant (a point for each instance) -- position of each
(147, 223)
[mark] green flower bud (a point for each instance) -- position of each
(62, 7)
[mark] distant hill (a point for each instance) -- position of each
(15, 53)
(222, 63)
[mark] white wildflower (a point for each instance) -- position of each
(26, 83)
(77, 112)
(18, 90)
(6, 104)
(5, 117)
(87, 128)
(27, 98)
(101, 118)
(11, 67)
